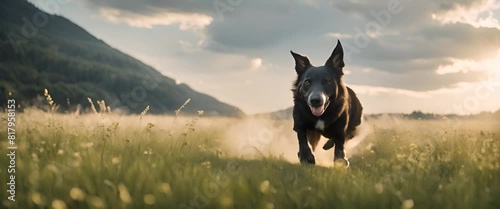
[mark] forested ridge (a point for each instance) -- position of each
(73, 65)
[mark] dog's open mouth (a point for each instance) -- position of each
(318, 111)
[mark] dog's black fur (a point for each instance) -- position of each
(324, 105)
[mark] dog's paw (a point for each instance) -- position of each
(329, 144)
(341, 163)
(306, 156)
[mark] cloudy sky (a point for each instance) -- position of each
(436, 56)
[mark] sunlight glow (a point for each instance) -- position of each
(256, 63)
(491, 65)
(496, 68)
(186, 21)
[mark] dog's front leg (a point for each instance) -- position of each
(305, 154)
(339, 155)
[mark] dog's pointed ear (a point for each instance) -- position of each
(301, 63)
(336, 60)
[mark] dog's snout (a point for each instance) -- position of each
(316, 100)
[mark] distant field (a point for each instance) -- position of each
(110, 161)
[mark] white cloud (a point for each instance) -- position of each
(186, 21)
(367, 70)
(339, 35)
(256, 63)
(477, 16)
(188, 47)
(491, 65)
(378, 90)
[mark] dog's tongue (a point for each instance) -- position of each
(317, 111)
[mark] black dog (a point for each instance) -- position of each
(324, 105)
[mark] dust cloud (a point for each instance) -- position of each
(255, 138)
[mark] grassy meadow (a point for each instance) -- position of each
(112, 161)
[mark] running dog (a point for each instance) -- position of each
(324, 105)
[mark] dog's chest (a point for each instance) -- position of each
(320, 125)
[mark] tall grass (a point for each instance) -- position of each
(114, 161)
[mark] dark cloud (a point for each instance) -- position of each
(264, 27)
(434, 44)
(450, 5)
(251, 24)
(413, 12)
(151, 7)
(261, 24)
(406, 51)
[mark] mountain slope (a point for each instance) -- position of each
(58, 55)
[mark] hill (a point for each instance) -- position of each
(40, 50)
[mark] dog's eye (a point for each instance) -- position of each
(329, 81)
(307, 82)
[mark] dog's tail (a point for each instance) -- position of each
(313, 138)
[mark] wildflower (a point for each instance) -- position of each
(59, 204)
(77, 194)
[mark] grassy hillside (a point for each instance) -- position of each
(74, 65)
(110, 161)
